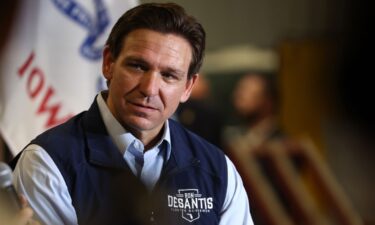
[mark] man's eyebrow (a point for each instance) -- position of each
(142, 61)
(135, 59)
(174, 71)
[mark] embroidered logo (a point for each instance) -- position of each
(190, 203)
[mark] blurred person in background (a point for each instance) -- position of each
(255, 100)
(24, 216)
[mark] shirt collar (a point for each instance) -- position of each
(122, 138)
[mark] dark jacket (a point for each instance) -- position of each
(191, 189)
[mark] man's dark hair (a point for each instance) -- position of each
(163, 18)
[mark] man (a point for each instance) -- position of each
(123, 161)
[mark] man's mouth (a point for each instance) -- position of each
(143, 106)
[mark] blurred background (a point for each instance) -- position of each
(317, 55)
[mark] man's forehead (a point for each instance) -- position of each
(171, 41)
(147, 43)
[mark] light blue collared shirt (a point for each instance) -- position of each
(37, 177)
(145, 165)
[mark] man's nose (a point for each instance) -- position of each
(149, 84)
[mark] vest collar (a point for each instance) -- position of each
(101, 150)
(181, 154)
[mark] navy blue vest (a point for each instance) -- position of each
(191, 189)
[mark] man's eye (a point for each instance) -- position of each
(136, 66)
(169, 76)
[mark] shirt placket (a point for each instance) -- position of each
(136, 150)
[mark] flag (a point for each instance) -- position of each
(50, 67)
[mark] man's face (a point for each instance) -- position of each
(249, 97)
(148, 79)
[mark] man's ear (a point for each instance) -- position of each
(107, 63)
(189, 87)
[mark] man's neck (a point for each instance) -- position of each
(148, 138)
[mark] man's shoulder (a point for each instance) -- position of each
(183, 134)
(62, 130)
(187, 144)
(60, 139)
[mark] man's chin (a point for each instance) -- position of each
(140, 124)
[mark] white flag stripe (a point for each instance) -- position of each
(50, 68)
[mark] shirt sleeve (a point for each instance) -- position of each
(37, 177)
(236, 209)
